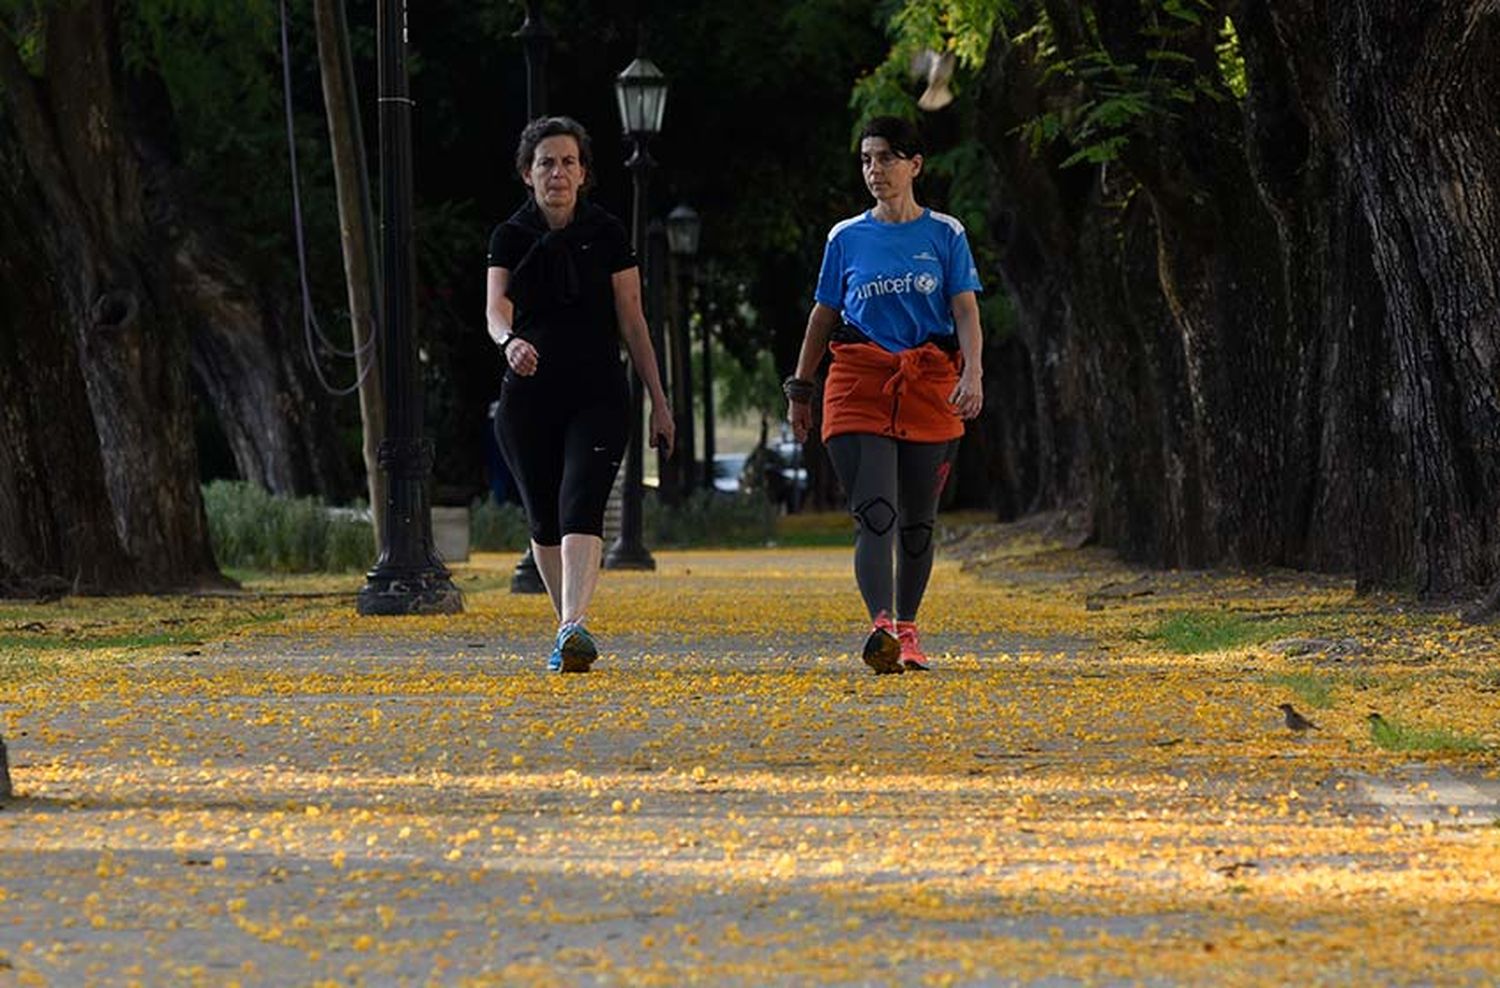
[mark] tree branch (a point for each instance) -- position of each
(23, 99)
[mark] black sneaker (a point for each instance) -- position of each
(883, 649)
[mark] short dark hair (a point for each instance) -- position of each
(901, 135)
(544, 127)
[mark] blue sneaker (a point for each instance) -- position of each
(574, 651)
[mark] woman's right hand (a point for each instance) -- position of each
(799, 414)
(521, 356)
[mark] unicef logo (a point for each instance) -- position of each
(925, 282)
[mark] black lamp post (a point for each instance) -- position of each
(641, 91)
(683, 228)
(536, 39)
(708, 403)
(408, 578)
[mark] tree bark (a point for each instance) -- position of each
(247, 360)
(1279, 339)
(92, 323)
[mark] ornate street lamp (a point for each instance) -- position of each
(408, 578)
(641, 92)
(683, 228)
(536, 39)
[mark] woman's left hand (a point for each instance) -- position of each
(663, 429)
(968, 397)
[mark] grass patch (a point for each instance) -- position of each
(26, 667)
(1396, 736)
(1311, 690)
(1196, 632)
(36, 643)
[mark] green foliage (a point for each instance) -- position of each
(1231, 60)
(1312, 690)
(252, 529)
(752, 389)
(962, 27)
(710, 518)
(1118, 100)
(1195, 632)
(1101, 95)
(1395, 736)
(21, 20)
(497, 527)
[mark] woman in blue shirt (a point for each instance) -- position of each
(896, 301)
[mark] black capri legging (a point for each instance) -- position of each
(564, 448)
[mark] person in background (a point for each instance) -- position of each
(896, 301)
(563, 288)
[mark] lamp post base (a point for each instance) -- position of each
(410, 593)
(5, 790)
(526, 578)
(628, 555)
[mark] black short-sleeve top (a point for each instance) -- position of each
(562, 288)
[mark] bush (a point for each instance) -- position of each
(497, 527)
(253, 529)
(709, 518)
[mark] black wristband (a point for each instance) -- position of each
(798, 388)
(505, 343)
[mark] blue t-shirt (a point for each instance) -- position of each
(894, 281)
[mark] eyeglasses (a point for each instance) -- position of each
(884, 159)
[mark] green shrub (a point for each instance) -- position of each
(707, 518)
(497, 527)
(253, 529)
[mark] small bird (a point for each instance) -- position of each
(1295, 722)
(937, 68)
(1380, 728)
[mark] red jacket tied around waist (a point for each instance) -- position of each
(902, 395)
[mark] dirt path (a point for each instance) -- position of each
(732, 798)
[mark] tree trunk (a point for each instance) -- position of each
(357, 234)
(246, 358)
(1416, 91)
(104, 459)
(1280, 336)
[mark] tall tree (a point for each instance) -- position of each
(98, 452)
(116, 285)
(1250, 248)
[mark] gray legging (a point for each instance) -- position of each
(893, 488)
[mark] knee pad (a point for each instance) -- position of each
(875, 515)
(916, 539)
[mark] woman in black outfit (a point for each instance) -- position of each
(563, 288)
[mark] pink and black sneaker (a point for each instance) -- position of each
(912, 656)
(882, 649)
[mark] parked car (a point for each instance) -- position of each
(775, 469)
(793, 474)
(729, 468)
